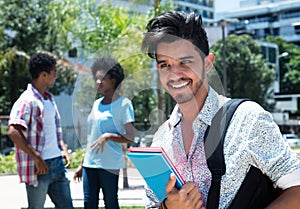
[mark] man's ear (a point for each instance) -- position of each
(43, 74)
(209, 61)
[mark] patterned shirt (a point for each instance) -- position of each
(252, 138)
(28, 111)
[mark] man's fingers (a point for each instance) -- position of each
(196, 197)
(41, 171)
(191, 196)
(171, 183)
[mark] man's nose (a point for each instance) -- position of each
(176, 70)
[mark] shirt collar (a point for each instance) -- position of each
(210, 107)
(175, 117)
(37, 94)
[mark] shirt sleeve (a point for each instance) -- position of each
(128, 111)
(20, 114)
(271, 153)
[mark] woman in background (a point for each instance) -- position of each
(110, 123)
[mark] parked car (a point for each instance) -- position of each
(292, 139)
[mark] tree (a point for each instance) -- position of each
(289, 65)
(24, 24)
(248, 74)
(24, 31)
(13, 77)
(20, 21)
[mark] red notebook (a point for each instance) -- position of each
(155, 167)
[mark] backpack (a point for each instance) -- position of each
(256, 191)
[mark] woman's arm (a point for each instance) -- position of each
(128, 137)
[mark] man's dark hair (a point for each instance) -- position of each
(172, 26)
(109, 67)
(40, 62)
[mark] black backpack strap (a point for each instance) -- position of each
(214, 141)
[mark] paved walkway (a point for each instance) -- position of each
(13, 194)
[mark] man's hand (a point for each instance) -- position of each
(66, 156)
(188, 197)
(17, 134)
(40, 165)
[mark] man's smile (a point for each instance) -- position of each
(179, 84)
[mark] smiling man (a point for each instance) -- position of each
(179, 44)
(177, 66)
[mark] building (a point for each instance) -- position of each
(259, 18)
(264, 18)
(276, 18)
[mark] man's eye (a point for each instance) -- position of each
(186, 62)
(163, 66)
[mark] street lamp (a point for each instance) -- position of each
(277, 68)
(283, 54)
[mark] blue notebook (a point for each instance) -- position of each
(155, 167)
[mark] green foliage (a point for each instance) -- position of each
(97, 25)
(76, 158)
(291, 82)
(14, 77)
(1, 35)
(25, 24)
(248, 74)
(289, 65)
(62, 19)
(8, 164)
(161, 7)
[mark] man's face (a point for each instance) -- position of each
(51, 77)
(181, 70)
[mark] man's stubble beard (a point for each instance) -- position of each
(187, 97)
